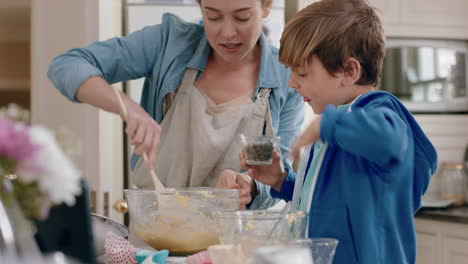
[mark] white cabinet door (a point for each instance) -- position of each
(427, 248)
(441, 242)
(424, 18)
(420, 18)
(455, 250)
(435, 12)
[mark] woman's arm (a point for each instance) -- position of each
(115, 60)
(84, 75)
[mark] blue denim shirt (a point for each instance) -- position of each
(161, 53)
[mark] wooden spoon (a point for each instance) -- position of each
(158, 186)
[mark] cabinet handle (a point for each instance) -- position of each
(93, 204)
(106, 204)
(121, 206)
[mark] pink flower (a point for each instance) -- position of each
(16, 146)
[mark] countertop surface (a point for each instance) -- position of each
(451, 214)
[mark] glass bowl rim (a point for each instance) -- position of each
(183, 190)
(320, 241)
(256, 214)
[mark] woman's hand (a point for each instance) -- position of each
(141, 128)
(235, 180)
(308, 137)
(272, 175)
(143, 131)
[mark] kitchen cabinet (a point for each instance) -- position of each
(14, 52)
(424, 18)
(421, 18)
(455, 251)
(441, 242)
(427, 245)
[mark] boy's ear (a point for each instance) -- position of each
(352, 71)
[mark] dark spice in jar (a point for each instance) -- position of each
(259, 151)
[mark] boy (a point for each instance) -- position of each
(370, 162)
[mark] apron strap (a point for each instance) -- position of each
(189, 77)
(264, 94)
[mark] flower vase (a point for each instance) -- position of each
(16, 232)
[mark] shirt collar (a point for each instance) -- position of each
(268, 77)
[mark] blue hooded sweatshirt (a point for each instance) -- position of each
(376, 168)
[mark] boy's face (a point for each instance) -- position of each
(318, 87)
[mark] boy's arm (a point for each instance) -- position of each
(267, 197)
(375, 132)
(287, 188)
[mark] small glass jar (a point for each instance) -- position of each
(454, 182)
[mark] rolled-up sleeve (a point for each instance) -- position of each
(116, 60)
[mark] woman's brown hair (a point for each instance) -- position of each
(335, 30)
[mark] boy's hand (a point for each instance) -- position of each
(308, 137)
(272, 175)
(235, 180)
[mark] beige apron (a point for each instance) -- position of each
(200, 139)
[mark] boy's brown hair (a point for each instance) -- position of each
(335, 30)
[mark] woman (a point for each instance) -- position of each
(205, 84)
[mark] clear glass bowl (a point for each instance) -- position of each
(253, 226)
(258, 150)
(322, 249)
(179, 219)
(282, 254)
(251, 229)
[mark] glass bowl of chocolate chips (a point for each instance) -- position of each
(258, 150)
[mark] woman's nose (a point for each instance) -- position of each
(228, 30)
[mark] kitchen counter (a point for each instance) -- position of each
(451, 214)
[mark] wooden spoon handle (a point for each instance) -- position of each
(156, 182)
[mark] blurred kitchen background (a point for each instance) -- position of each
(426, 66)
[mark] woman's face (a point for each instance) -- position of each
(233, 27)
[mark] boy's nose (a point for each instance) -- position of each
(292, 83)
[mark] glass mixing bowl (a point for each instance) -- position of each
(179, 219)
(251, 229)
(256, 225)
(322, 249)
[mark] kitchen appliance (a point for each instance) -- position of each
(427, 75)
(179, 219)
